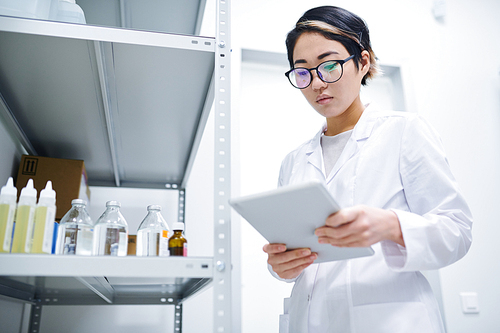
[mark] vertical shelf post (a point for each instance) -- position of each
(178, 318)
(222, 171)
(35, 317)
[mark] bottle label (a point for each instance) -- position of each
(123, 244)
(29, 219)
(48, 232)
(23, 229)
(164, 251)
(185, 250)
(6, 216)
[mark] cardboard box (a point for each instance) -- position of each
(69, 179)
(132, 245)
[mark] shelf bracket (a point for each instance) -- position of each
(109, 101)
(99, 286)
(14, 128)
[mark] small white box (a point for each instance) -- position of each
(38, 9)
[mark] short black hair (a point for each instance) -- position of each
(341, 25)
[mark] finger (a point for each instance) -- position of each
(294, 267)
(343, 216)
(336, 233)
(274, 248)
(292, 273)
(354, 240)
(288, 256)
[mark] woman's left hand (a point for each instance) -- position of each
(360, 226)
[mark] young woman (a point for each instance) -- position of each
(388, 171)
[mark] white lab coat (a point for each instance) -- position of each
(393, 160)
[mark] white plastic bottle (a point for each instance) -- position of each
(45, 217)
(111, 232)
(8, 198)
(66, 11)
(153, 234)
(25, 216)
(75, 231)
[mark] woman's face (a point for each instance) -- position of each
(331, 100)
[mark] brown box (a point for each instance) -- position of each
(132, 245)
(69, 179)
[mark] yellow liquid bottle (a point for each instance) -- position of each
(8, 198)
(177, 244)
(25, 216)
(45, 214)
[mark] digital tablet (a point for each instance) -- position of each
(290, 215)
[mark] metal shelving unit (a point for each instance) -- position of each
(133, 105)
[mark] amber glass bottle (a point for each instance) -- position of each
(177, 244)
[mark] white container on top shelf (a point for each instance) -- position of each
(66, 11)
(54, 10)
(39, 9)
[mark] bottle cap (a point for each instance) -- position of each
(154, 207)
(178, 226)
(29, 190)
(48, 192)
(78, 202)
(113, 203)
(9, 188)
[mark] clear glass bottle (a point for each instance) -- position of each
(111, 232)
(177, 244)
(76, 229)
(153, 234)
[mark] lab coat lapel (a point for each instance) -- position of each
(314, 152)
(360, 133)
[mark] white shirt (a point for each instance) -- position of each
(332, 147)
(392, 160)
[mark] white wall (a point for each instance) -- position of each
(454, 67)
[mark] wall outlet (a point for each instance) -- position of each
(470, 302)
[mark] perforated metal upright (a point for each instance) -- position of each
(222, 171)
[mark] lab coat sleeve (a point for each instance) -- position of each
(286, 169)
(437, 229)
(273, 273)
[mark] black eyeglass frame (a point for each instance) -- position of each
(341, 62)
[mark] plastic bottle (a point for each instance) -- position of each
(76, 230)
(45, 217)
(8, 198)
(177, 244)
(153, 234)
(111, 232)
(66, 11)
(25, 216)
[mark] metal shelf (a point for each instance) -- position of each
(131, 104)
(75, 280)
(170, 16)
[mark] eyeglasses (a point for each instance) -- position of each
(329, 71)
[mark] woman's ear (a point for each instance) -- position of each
(365, 62)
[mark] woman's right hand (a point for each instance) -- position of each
(288, 264)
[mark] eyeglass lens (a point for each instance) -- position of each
(329, 71)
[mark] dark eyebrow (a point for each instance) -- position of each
(321, 56)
